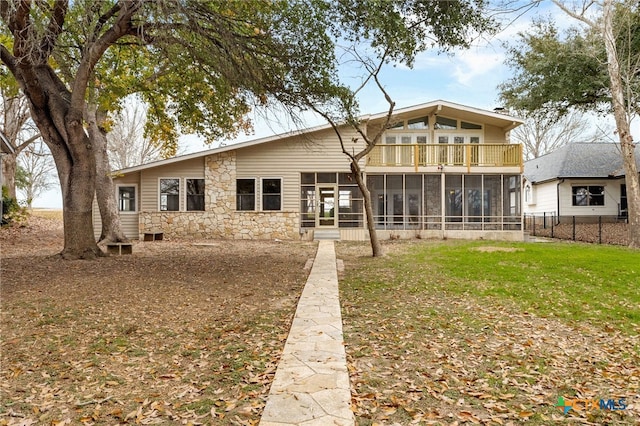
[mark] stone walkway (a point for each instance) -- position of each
(311, 384)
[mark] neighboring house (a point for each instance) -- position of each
(443, 170)
(585, 180)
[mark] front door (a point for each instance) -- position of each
(326, 212)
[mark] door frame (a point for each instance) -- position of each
(319, 207)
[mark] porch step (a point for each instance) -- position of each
(326, 234)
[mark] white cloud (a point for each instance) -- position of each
(470, 67)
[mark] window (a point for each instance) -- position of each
(169, 195)
(127, 198)
(446, 123)
(471, 126)
(195, 194)
(272, 194)
(418, 123)
(587, 195)
(245, 194)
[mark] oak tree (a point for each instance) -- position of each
(589, 68)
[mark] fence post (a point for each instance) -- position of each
(544, 220)
(573, 231)
(533, 226)
(553, 219)
(599, 229)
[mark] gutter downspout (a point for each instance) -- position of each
(558, 198)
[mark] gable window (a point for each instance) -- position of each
(272, 194)
(444, 123)
(195, 194)
(418, 123)
(470, 126)
(126, 198)
(245, 194)
(587, 195)
(170, 195)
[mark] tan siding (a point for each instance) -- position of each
(289, 157)
(493, 134)
(97, 221)
(149, 180)
(129, 221)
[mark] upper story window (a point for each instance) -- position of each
(170, 194)
(444, 123)
(470, 126)
(195, 194)
(420, 123)
(127, 198)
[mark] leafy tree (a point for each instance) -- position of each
(211, 61)
(591, 68)
(200, 66)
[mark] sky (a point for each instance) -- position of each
(468, 77)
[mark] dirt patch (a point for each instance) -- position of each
(179, 332)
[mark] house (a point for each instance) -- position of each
(585, 180)
(442, 170)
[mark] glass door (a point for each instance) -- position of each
(326, 212)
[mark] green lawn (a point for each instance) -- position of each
(576, 282)
(439, 332)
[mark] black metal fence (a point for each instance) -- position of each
(598, 229)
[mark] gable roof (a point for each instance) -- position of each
(440, 107)
(578, 160)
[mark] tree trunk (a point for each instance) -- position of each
(77, 182)
(623, 126)
(105, 189)
(62, 130)
(376, 247)
(9, 166)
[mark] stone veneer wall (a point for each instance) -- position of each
(221, 220)
(236, 225)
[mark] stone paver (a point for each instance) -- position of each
(311, 384)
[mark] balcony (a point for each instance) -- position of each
(463, 155)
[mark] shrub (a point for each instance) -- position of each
(11, 209)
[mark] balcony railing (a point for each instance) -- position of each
(469, 155)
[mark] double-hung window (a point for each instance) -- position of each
(170, 194)
(246, 194)
(126, 198)
(272, 194)
(195, 194)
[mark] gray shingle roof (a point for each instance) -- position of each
(578, 160)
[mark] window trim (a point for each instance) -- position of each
(186, 194)
(262, 179)
(179, 194)
(588, 185)
(255, 194)
(135, 195)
